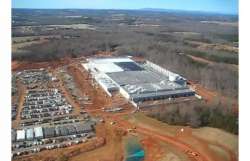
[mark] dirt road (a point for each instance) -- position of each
(183, 147)
(21, 99)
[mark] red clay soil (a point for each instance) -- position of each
(111, 151)
(152, 149)
(21, 94)
(96, 95)
(229, 151)
(67, 95)
(24, 65)
(204, 145)
(203, 155)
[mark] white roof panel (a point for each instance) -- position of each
(29, 133)
(110, 60)
(108, 68)
(38, 132)
(20, 135)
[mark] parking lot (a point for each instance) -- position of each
(44, 103)
(45, 119)
(37, 138)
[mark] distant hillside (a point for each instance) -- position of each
(185, 11)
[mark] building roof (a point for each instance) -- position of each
(29, 133)
(153, 87)
(109, 60)
(104, 80)
(108, 68)
(38, 132)
(110, 65)
(20, 135)
(136, 77)
(63, 130)
(49, 131)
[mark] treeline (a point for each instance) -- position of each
(198, 115)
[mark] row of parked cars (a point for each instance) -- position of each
(42, 103)
(34, 139)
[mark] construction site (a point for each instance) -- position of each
(86, 107)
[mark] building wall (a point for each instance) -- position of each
(124, 93)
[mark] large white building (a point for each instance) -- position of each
(137, 82)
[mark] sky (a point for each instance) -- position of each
(218, 6)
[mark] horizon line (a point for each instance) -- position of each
(138, 9)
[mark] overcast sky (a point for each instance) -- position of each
(220, 6)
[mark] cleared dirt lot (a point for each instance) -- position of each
(218, 148)
(218, 136)
(112, 150)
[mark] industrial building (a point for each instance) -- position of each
(137, 82)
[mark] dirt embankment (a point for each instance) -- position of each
(111, 151)
(25, 65)
(153, 150)
(211, 143)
